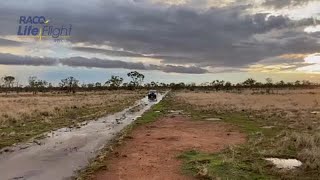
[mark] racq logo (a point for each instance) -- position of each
(39, 27)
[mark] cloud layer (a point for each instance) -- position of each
(228, 36)
(9, 59)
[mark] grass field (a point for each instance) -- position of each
(25, 115)
(283, 125)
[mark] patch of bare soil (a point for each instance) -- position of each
(151, 153)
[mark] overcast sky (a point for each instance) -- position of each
(168, 40)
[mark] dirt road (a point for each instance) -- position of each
(151, 152)
(66, 150)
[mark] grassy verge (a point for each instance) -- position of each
(36, 124)
(235, 162)
(265, 139)
(100, 162)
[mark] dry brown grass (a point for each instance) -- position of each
(23, 116)
(286, 100)
(290, 112)
(292, 108)
(19, 106)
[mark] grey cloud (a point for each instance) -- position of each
(285, 3)
(127, 54)
(292, 63)
(177, 34)
(9, 59)
(280, 60)
(6, 42)
(99, 63)
(179, 69)
(107, 52)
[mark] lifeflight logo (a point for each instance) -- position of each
(39, 27)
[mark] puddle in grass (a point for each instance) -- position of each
(285, 163)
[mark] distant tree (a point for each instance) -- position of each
(228, 85)
(137, 78)
(114, 82)
(90, 86)
(205, 84)
(163, 85)
(36, 84)
(269, 81)
(306, 83)
(9, 81)
(125, 85)
(249, 82)
(180, 85)
(217, 84)
(297, 83)
(84, 85)
(98, 84)
(269, 84)
(153, 84)
(70, 83)
(281, 83)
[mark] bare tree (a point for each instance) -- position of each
(269, 85)
(114, 82)
(70, 83)
(37, 84)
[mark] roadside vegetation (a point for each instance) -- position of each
(280, 125)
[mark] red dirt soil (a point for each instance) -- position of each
(152, 152)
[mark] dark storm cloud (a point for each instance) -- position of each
(9, 59)
(285, 3)
(127, 54)
(100, 63)
(178, 34)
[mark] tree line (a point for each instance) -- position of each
(72, 85)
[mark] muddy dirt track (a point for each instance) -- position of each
(151, 152)
(66, 150)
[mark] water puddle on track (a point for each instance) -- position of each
(67, 150)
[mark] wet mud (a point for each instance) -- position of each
(63, 152)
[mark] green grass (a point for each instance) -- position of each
(235, 162)
(246, 161)
(210, 166)
(238, 162)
